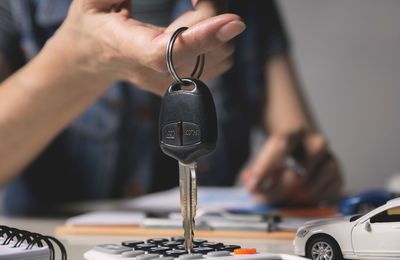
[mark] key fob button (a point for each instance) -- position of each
(170, 134)
(190, 133)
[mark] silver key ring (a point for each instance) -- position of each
(199, 62)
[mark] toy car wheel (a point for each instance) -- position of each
(323, 248)
(364, 207)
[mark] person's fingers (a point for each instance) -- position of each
(317, 151)
(206, 36)
(212, 72)
(327, 176)
(221, 56)
(318, 186)
(268, 159)
(100, 5)
(164, 80)
(322, 181)
(203, 10)
(126, 5)
(292, 190)
(324, 176)
(224, 51)
(283, 192)
(200, 38)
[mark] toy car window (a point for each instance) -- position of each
(390, 215)
(355, 217)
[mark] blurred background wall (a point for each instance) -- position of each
(348, 58)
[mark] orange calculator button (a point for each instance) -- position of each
(244, 251)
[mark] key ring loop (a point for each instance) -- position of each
(199, 61)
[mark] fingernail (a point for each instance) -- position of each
(230, 30)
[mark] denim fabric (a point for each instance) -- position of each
(115, 141)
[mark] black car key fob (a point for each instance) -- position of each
(188, 121)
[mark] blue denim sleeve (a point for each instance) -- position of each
(10, 37)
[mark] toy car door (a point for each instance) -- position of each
(379, 236)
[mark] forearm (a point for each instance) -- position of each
(99, 44)
(285, 110)
(35, 106)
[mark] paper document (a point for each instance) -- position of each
(208, 198)
(107, 218)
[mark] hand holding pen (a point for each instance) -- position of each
(293, 171)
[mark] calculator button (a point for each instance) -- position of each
(133, 253)
(218, 253)
(112, 249)
(244, 251)
(132, 243)
(178, 239)
(145, 246)
(228, 248)
(190, 256)
(157, 241)
(182, 247)
(147, 257)
(175, 252)
(171, 244)
(159, 250)
(203, 250)
(199, 241)
(212, 244)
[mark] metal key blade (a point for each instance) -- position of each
(188, 193)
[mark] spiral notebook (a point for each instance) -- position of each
(21, 244)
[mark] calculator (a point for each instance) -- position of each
(173, 249)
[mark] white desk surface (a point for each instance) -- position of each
(77, 245)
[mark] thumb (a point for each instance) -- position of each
(207, 35)
(266, 162)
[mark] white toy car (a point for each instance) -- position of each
(375, 235)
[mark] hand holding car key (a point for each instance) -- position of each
(188, 131)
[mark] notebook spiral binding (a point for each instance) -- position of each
(19, 236)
